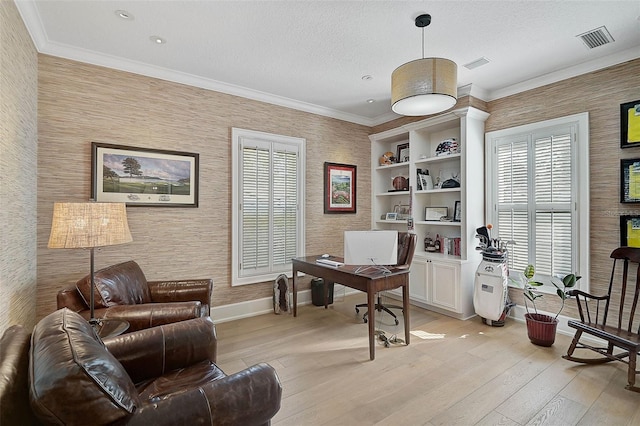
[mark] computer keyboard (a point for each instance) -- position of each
(329, 262)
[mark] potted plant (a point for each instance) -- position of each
(541, 328)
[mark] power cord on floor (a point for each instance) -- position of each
(382, 336)
(387, 341)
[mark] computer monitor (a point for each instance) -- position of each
(371, 247)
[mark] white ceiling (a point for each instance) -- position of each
(312, 55)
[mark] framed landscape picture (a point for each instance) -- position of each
(143, 177)
(339, 188)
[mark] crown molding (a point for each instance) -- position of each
(33, 22)
(565, 73)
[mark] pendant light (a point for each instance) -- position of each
(424, 86)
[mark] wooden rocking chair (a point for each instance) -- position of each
(596, 320)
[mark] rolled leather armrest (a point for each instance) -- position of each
(181, 290)
(70, 298)
(147, 315)
(249, 397)
(151, 352)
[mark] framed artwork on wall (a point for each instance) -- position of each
(630, 180)
(630, 124)
(339, 188)
(143, 177)
(630, 230)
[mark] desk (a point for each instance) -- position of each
(370, 281)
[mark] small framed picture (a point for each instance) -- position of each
(339, 188)
(391, 216)
(457, 212)
(435, 213)
(630, 124)
(403, 153)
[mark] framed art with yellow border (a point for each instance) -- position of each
(630, 231)
(630, 124)
(630, 180)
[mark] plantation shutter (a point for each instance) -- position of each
(534, 199)
(269, 219)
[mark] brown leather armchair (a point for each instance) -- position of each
(162, 376)
(123, 292)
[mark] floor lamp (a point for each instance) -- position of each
(89, 225)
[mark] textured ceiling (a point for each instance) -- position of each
(312, 55)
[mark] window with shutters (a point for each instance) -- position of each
(268, 205)
(538, 195)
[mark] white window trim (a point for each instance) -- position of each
(237, 135)
(581, 163)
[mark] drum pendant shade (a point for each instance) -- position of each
(424, 86)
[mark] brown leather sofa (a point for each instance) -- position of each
(158, 376)
(123, 292)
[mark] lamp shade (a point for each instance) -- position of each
(84, 225)
(424, 86)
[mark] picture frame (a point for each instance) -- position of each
(630, 180)
(630, 124)
(402, 155)
(457, 212)
(435, 213)
(156, 177)
(339, 188)
(391, 216)
(630, 230)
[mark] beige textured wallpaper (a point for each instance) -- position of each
(80, 103)
(600, 94)
(18, 151)
(52, 108)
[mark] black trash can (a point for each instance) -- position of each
(317, 292)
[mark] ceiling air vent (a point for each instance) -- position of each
(477, 63)
(598, 37)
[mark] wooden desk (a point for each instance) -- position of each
(369, 281)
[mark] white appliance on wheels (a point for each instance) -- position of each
(491, 286)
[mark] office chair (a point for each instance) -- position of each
(406, 248)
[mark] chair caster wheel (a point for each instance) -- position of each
(357, 311)
(397, 322)
(364, 320)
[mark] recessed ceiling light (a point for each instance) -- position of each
(367, 77)
(123, 14)
(370, 101)
(157, 40)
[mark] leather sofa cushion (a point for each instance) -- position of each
(14, 377)
(74, 378)
(121, 284)
(179, 380)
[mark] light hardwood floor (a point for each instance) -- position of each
(453, 372)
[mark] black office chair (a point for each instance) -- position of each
(406, 248)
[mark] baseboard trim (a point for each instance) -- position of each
(252, 308)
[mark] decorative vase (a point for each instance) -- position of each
(541, 329)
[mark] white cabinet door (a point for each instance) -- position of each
(444, 280)
(418, 277)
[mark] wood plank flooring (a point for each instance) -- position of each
(453, 372)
